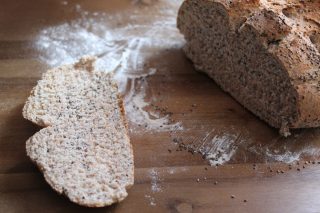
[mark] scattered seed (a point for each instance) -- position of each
(271, 170)
(205, 168)
(198, 180)
(304, 167)
(245, 200)
(298, 169)
(169, 150)
(313, 162)
(216, 182)
(282, 171)
(232, 196)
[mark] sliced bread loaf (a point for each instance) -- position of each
(84, 151)
(264, 53)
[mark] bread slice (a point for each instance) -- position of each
(84, 152)
(264, 53)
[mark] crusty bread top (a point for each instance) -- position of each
(84, 151)
(290, 31)
(285, 27)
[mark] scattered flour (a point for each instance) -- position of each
(136, 103)
(220, 150)
(124, 42)
(227, 143)
(155, 186)
(287, 154)
(172, 171)
(155, 179)
(286, 157)
(151, 200)
(124, 49)
(217, 146)
(64, 3)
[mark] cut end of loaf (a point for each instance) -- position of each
(58, 94)
(258, 51)
(84, 152)
(89, 161)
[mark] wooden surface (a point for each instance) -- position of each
(166, 179)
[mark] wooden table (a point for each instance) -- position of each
(167, 178)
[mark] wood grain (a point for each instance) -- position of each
(166, 180)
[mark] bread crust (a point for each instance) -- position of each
(287, 32)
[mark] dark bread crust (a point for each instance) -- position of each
(264, 53)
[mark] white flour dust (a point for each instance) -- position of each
(286, 157)
(136, 103)
(286, 153)
(151, 200)
(125, 42)
(155, 186)
(218, 146)
(155, 181)
(227, 143)
(220, 150)
(124, 47)
(172, 171)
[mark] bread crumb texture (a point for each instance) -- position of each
(84, 152)
(264, 53)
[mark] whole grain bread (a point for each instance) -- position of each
(84, 152)
(264, 53)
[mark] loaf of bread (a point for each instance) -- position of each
(264, 53)
(84, 150)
